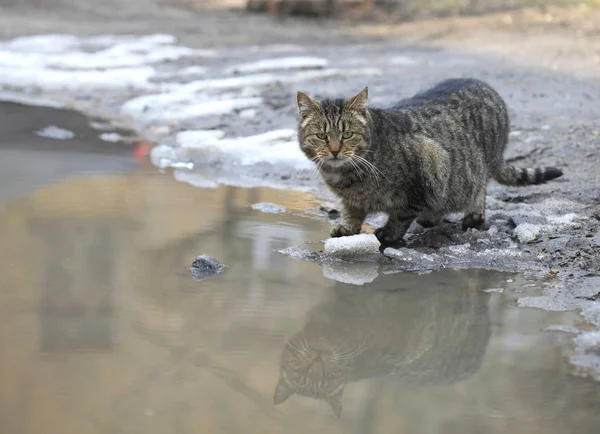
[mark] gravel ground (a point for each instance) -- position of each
(546, 65)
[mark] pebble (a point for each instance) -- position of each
(205, 266)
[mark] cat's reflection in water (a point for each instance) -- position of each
(417, 330)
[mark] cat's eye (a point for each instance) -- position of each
(347, 134)
(321, 136)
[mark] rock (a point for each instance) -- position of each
(518, 219)
(205, 266)
(556, 244)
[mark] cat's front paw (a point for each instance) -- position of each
(389, 238)
(342, 231)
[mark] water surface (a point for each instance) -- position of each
(104, 330)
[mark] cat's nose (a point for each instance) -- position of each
(335, 152)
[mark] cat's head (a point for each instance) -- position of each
(315, 371)
(334, 133)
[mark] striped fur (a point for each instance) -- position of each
(425, 157)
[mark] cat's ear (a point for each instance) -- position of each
(335, 402)
(282, 392)
(307, 105)
(360, 102)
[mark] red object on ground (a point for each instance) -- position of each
(141, 150)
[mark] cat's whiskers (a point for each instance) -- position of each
(299, 350)
(370, 165)
(353, 352)
(313, 170)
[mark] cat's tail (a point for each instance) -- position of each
(511, 175)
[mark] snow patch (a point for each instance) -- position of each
(111, 137)
(69, 63)
(54, 132)
(282, 63)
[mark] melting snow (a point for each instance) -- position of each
(53, 132)
(279, 64)
(64, 62)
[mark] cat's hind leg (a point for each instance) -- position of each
(392, 234)
(427, 219)
(475, 214)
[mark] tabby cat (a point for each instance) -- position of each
(425, 334)
(424, 157)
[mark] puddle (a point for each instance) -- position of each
(103, 328)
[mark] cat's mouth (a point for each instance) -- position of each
(337, 161)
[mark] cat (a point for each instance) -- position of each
(426, 334)
(421, 159)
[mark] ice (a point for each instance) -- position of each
(111, 137)
(543, 302)
(361, 244)
(527, 232)
(494, 290)
(281, 63)
(54, 132)
(269, 208)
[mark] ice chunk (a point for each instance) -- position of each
(54, 132)
(527, 232)
(269, 208)
(543, 302)
(351, 273)
(352, 246)
(496, 290)
(299, 253)
(279, 64)
(111, 137)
